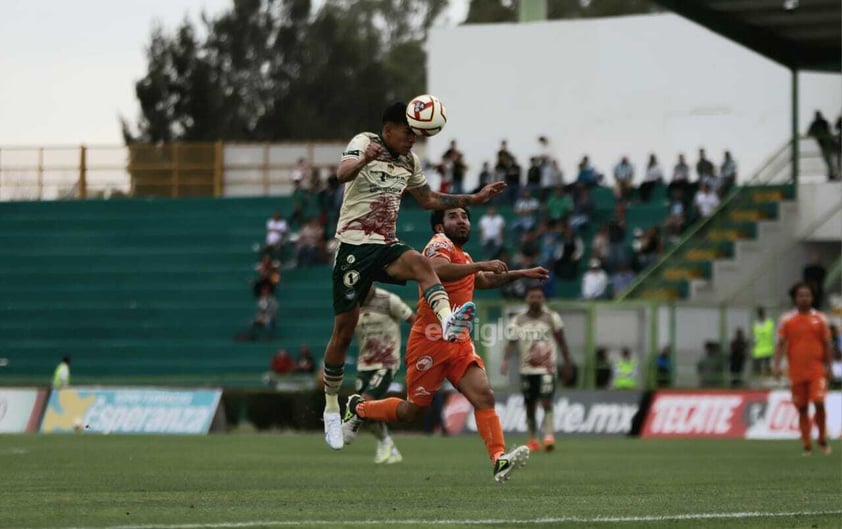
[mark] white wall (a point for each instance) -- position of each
(608, 87)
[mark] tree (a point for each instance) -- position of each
(272, 70)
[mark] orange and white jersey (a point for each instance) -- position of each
(806, 336)
(460, 291)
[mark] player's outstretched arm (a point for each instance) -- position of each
(486, 280)
(448, 271)
(429, 199)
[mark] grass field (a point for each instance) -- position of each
(252, 481)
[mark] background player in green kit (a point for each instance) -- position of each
(379, 341)
(537, 335)
(376, 170)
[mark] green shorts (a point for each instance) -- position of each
(536, 387)
(357, 266)
(375, 382)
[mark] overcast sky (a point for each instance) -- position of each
(67, 69)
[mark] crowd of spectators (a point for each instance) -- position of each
(554, 221)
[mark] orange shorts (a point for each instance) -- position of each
(429, 362)
(807, 391)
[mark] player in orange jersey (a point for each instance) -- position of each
(430, 359)
(804, 336)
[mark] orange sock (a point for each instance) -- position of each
(806, 426)
(379, 410)
(821, 423)
(489, 428)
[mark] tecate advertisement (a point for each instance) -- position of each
(20, 409)
(574, 413)
(130, 411)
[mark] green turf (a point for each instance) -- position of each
(295, 480)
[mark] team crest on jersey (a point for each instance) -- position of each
(350, 278)
(424, 363)
(432, 248)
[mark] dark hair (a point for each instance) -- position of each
(533, 286)
(794, 290)
(437, 217)
(395, 113)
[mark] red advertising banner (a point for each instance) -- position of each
(736, 414)
(20, 409)
(702, 413)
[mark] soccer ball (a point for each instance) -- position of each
(426, 115)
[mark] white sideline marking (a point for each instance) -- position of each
(564, 519)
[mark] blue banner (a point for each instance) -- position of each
(130, 411)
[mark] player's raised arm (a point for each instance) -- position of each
(448, 271)
(429, 199)
(350, 167)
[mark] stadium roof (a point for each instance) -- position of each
(800, 34)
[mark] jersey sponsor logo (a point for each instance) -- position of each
(424, 363)
(708, 414)
(350, 278)
(432, 248)
(421, 391)
(350, 259)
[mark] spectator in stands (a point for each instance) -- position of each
(651, 247)
(603, 369)
(710, 366)
(492, 228)
(61, 375)
(820, 131)
(583, 207)
(587, 174)
(526, 211)
(301, 170)
(677, 216)
(737, 358)
(458, 168)
(622, 279)
(300, 200)
(706, 201)
(705, 169)
(663, 368)
(276, 235)
(813, 274)
(551, 178)
(485, 177)
(595, 282)
(653, 178)
(527, 257)
(680, 179)
(533, 176)
(623, 179)
(727, 175)
(599, 244)
(559, 205)
(503, 153)
(282, 363)
(311, 243)
(263, 324)
(568, 253)
(617, 237)
(509, 171)
(268, 274)
(304, 362)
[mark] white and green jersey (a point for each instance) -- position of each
(378, 331)
(536, 344)
(370, 205)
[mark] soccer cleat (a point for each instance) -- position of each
(807, 452)
(549, 443)
(351, 422)
(333, 430)
(394, 457)
(533, 445)
(460, 319)
(509, 462)
(826, 450)
(384, 451)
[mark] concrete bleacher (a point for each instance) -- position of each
(155, 290)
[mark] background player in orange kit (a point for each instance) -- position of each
(430, 359)
(804, 336)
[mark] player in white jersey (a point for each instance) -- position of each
(376, 170)
(379, 341)
(537, 335)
